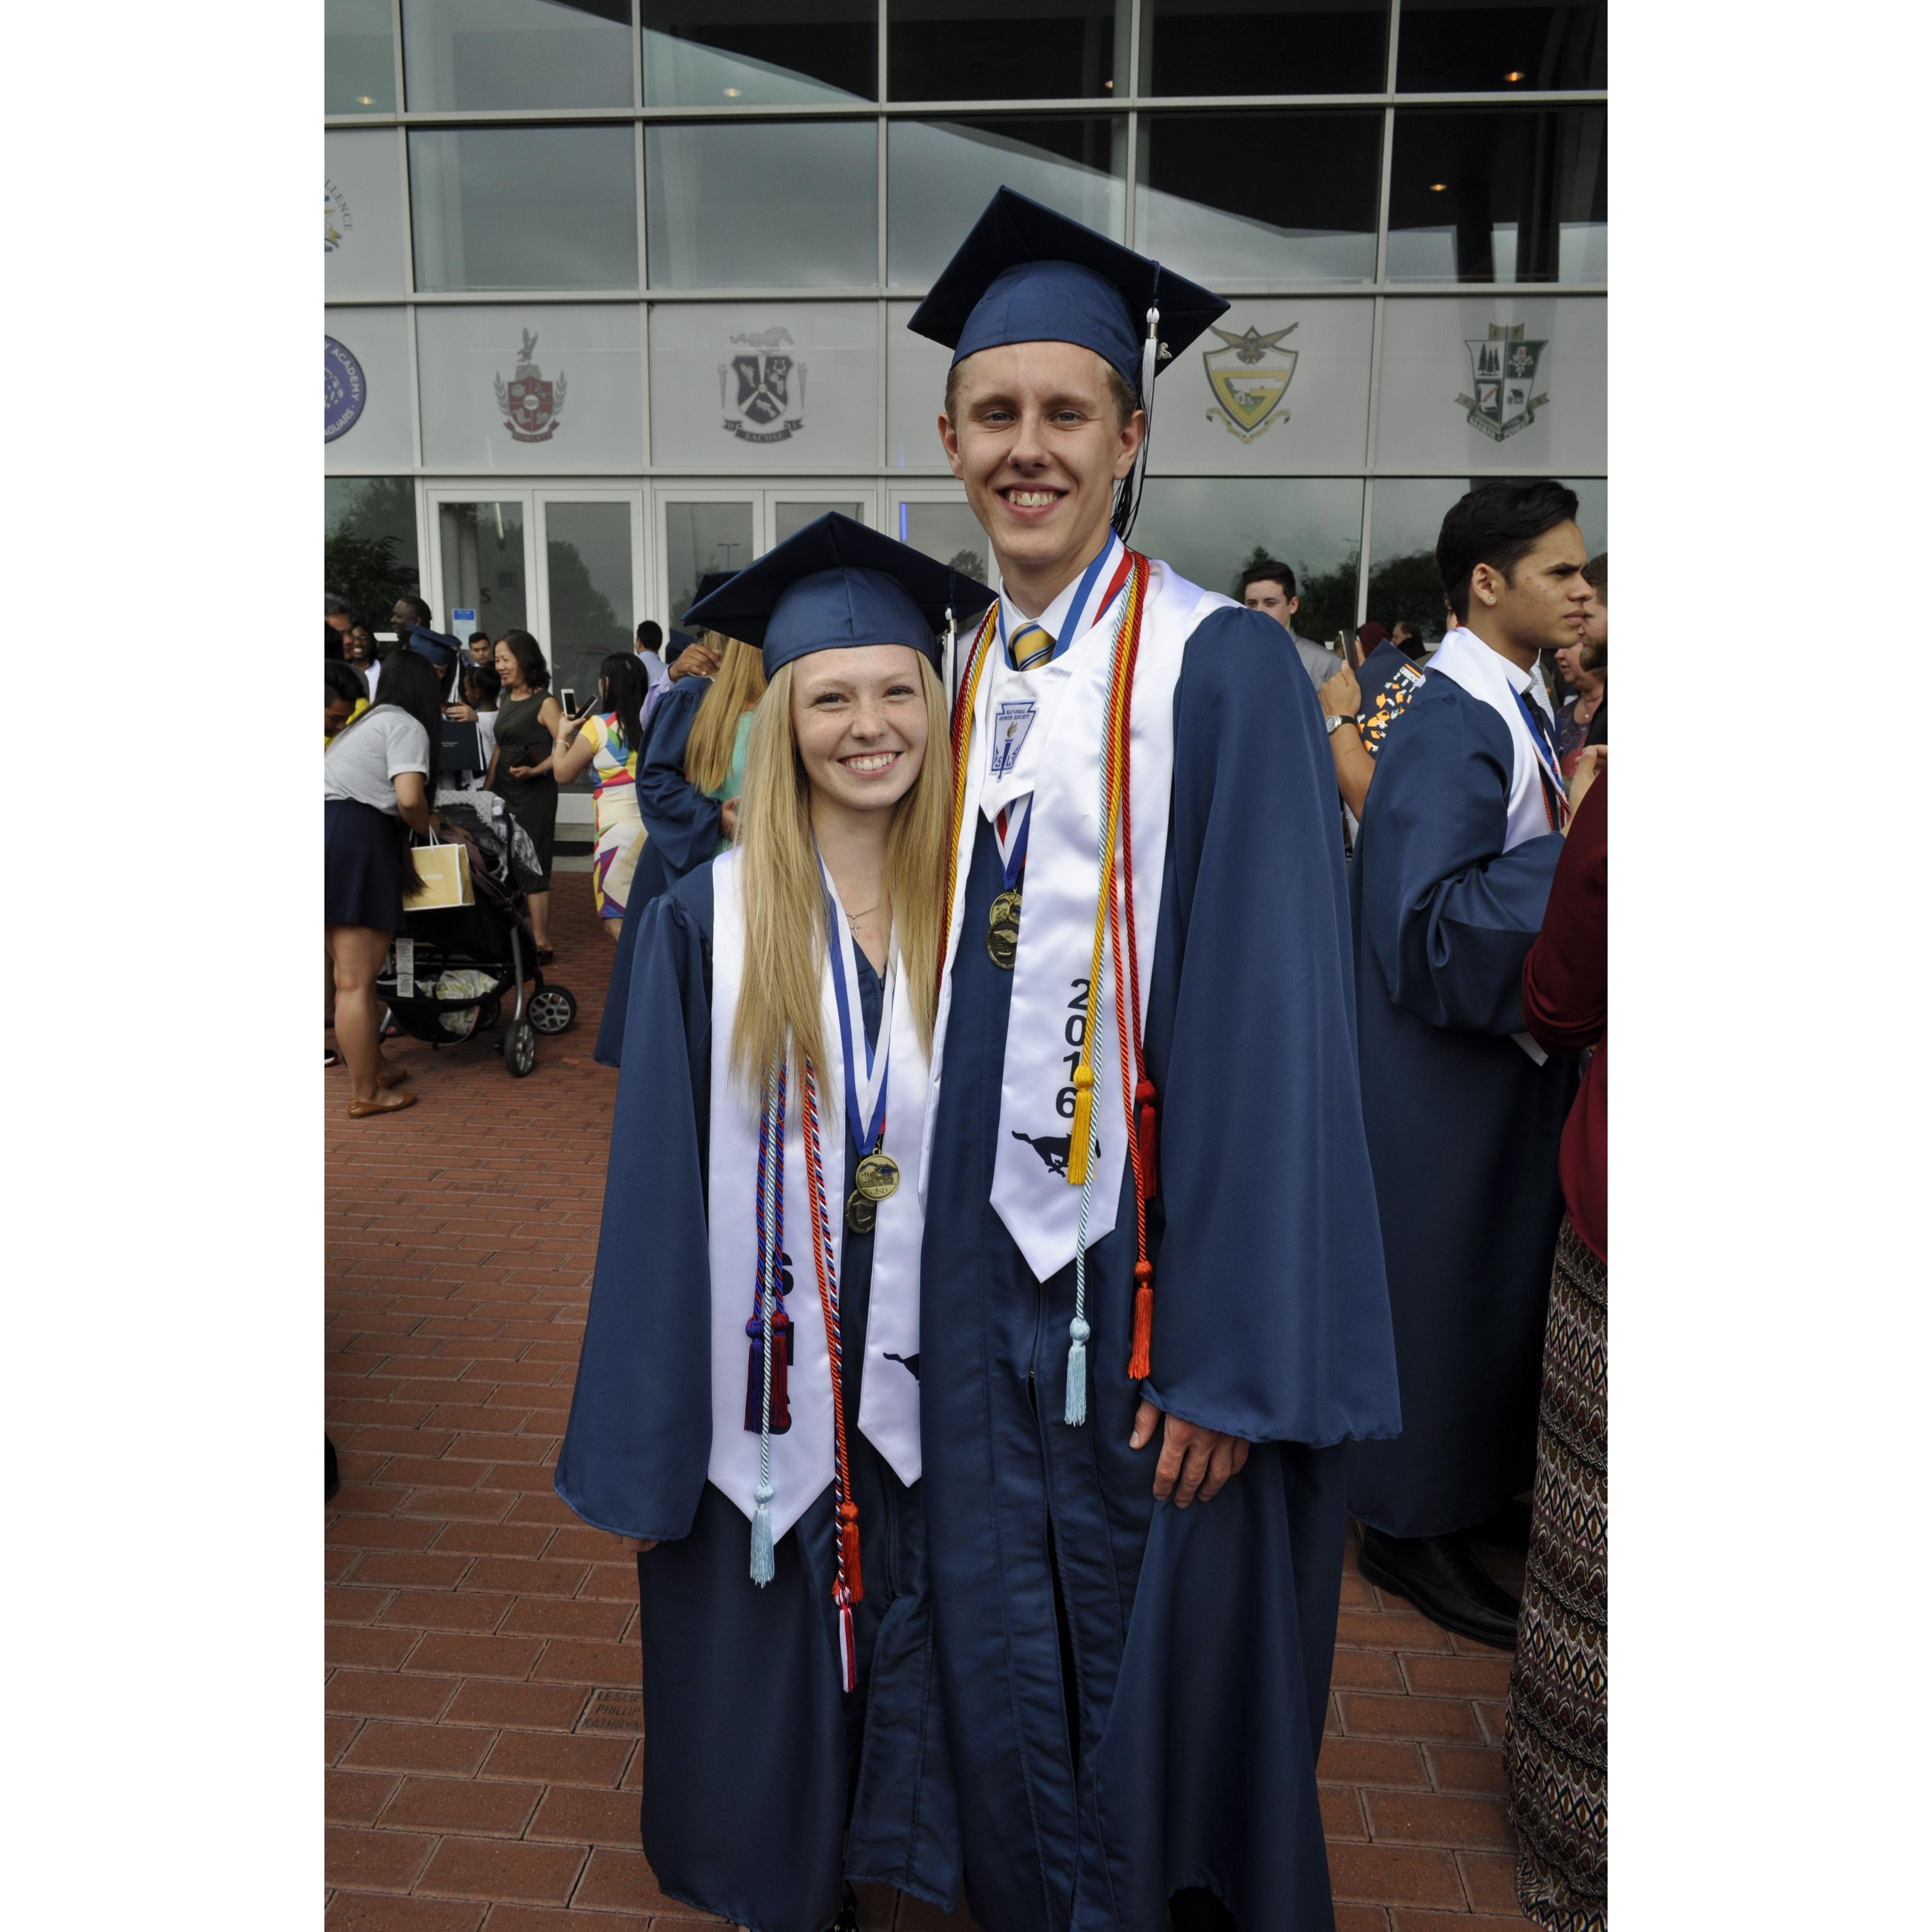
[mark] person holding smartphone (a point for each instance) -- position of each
(609, 745)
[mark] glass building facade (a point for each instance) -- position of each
(616, 289)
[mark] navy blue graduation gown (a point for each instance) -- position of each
(755, 1762)
(683, 826)
(1200, 1640)
(1462, 1125)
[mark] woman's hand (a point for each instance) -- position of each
(1340, 696)
(529, 771)
(728, 813)
(462, 713)
(1589, 769)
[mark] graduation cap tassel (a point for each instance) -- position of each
(1130, 493)
(1076, 1370)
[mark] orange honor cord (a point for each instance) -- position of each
(848, 1582)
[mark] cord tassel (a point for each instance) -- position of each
(1083, 1126)
(848, 1649)
(1076, 1370)
(848, 1548)
(1146, 1130)
(1141, 1362)
(762, 1565)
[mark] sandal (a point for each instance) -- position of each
(383, 1103)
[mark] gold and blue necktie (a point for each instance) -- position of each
(1032, 644)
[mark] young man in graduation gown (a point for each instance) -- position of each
(1459, 839)
(1138, 1366)
(793, 1736)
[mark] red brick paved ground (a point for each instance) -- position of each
(482, 1668)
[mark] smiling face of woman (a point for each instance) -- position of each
(859, 718)
(508, 668)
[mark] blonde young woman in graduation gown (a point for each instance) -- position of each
(793, 1743)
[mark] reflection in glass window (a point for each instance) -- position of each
(942, 173)
(753, 204)
(1507, 195)
(587, 548)
(1263, 46)
(369, 526)
(788, 519)
(524, 207)
(699, 537)
(517, 53)
(482, 547)
(1406, 519)
(1451, 47)
(949, 533)
(759, 53)
(1251, 197)
(359, 60)
(1211, 529)
(1006, 49)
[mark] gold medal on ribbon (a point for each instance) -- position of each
(877, 1176)
(1003, 928)
(862, 1215)
(1005, 910)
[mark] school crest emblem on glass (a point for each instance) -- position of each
(1502, 369)
(531, 405)
(1249, 375)
(762, 380)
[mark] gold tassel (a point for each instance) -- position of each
(1083, 1127)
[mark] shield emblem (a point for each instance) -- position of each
(761, 386)
(1249, 376)
(1502, 372)
(533, 404)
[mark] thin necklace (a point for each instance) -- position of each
(852, 918)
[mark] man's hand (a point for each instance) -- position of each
(695, 660)
(1589, 768)
(1193, 1460)
(1340, 696)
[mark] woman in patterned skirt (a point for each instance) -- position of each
(1556, 1734)
(610, 743)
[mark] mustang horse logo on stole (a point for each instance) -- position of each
(531, 406)
(764, 378)
(1250, 376)
(1503, 367)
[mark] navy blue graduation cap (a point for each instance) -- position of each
(441, 649)
(1026, 274)
(835, 584)
(713, 580)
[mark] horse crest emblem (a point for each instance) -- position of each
(1503, 367)
(763, 377)
(1249, 376)
(531, 406)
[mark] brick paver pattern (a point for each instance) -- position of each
(483, 1714)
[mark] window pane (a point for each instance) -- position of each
(1211, 530)
(788, 519)
(482, 546)
(1515, 195)
(1407, 519)
(1255, 197)
(359, 60)
(587, 551)
(760, 203)
(1264, 46)
(1006, 49)
(699, 537)
(369, 527)
(524, 207)
(949, 533)
(517, 53)
(367, 424)
(760, 53)
(363, 250)
(1449, 46)
(942, 173)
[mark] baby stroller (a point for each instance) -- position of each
(452, 967)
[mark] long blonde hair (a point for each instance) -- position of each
(785, 938)
(739, 684)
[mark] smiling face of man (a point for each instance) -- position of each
(1037, 436)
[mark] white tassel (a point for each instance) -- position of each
(1137, 477)
(1076, 1371)
(762, 1565)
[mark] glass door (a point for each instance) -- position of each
(788, 510)
(701, 530)
(590, 572)
(482, 562)
(935, 518)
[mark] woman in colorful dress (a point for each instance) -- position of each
(767, 1470)
(610, 743)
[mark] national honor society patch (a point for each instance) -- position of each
(1012, 722)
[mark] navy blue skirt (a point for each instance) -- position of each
(361, 866)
